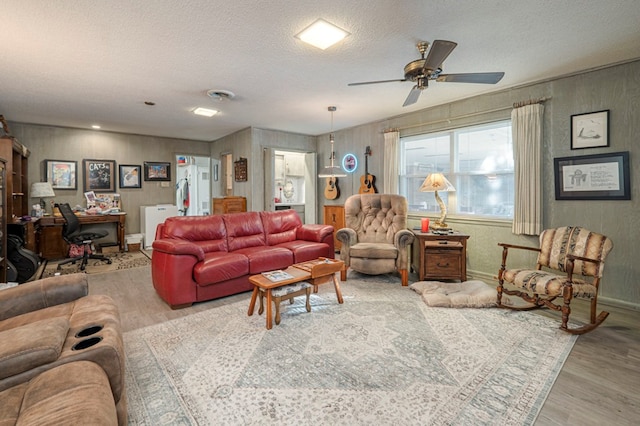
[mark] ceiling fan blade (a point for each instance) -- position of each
(414, 94)
(438, 52)
(479, 77)
(375, 82)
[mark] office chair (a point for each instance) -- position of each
(72, 235)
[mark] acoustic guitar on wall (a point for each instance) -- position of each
(367, 181)
(331, 190)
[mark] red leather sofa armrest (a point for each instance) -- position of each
(317, 233)
(179, 247)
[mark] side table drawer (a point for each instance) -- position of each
(443, 263)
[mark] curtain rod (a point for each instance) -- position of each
(444, 120)
(472, 114)
(530, 102)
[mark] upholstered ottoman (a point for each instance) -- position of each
(77, 393)
(287, 292)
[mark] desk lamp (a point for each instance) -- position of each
(433, 183)
(42, 190)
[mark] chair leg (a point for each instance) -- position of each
(343, 274)
(404, 275)
(567, 294)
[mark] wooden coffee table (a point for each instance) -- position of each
(316, 272)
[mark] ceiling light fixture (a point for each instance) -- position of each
(205, 112)
(331, 171)
(322, 34)
(95, 126)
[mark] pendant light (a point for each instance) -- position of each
(332, 171)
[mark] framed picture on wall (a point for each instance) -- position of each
(590, 130)
(157, 171)
(61, 174)
(593, 177)
(99, 175)
(130, 176)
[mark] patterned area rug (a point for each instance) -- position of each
(383, 357)
(118, 261)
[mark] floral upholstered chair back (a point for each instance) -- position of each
(556, 244)
(376, 218)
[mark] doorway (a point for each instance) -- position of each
(289, 182)
(193, 185)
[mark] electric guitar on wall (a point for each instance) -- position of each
(331, 191)
(367, 181)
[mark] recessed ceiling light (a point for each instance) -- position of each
(322, 34)
(95, 126)
(205, 111)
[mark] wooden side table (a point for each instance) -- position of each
(334, 216)
(442, 256)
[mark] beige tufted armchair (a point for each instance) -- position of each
(376, 239)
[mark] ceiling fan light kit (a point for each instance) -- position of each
(424, 69)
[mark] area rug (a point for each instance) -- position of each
(383, 357)
(124, 260)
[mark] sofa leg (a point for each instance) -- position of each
(404, 275)
(182, 306)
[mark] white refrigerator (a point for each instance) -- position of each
(150, 217)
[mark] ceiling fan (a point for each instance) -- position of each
(424, 69)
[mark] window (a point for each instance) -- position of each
(477, 160)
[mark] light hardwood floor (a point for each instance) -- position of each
(598, 385)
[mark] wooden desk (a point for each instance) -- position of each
(51, 245)
(442, 256)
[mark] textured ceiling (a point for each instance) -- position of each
(79, 62)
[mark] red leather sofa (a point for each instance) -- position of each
(198, 258)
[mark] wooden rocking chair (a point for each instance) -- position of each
(569, 250)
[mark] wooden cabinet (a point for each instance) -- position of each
(15, 190)
(229, 205)
(294, 164)
(3, 224)
(334, 216)
(50, 243)
(441, 256)
(16, 178)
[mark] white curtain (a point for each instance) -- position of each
(391, 175)
(526, 122)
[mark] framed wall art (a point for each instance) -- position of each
(130, 176)
(590, 130)
(61, 174)
(593, 177)
(157, 171)
(99, 175)
(240, 170)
